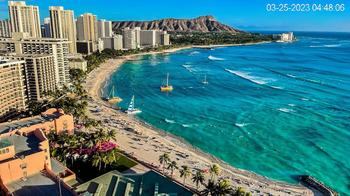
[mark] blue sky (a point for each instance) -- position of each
(243, 14)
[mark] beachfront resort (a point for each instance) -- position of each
(60, 136)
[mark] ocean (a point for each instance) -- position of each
(277, 109)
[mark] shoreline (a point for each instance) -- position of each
(239, 177)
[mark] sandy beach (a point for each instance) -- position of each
(146, 143)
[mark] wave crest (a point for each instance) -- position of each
(213, 58)
(169, 121)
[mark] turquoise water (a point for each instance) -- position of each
(277, 109)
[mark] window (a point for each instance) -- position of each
(23, 166)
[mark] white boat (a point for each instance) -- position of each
(205, 80)
(131, 109)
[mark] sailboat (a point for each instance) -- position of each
(205, 80)
(131, 109)
(112, 98)
(167, 87)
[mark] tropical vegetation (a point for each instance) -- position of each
(88, 154)
(214, 186)
(208, 38)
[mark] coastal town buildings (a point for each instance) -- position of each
(25, 155)
(21, 43)
(104, 28)
(284, 37)
(63, 25)
(131, 38)
(114, 42)
(87, 33)
(5, 28)
(45, 28)
(287, 37)
(148, 38)
(24, 18)
(12, 88)
(39, 75)
(76, 61)
(162, 38)
(87, 27)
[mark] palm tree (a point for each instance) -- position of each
(185, 172)
(172, 166)
(240, 192)
(223, 187)
(210, 188)
(164, 159)
(214, 170)
(198, 178)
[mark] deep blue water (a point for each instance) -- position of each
(277, 109)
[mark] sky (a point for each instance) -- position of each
(243, 14)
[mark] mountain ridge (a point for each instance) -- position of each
(201, 24)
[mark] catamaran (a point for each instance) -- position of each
(112, 98)
(131, 109)
(167, 87)
(205, 80)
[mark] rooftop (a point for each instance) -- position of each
(39, 185)
(24, 145)
(149, 183)
(111, 183)
(9, 126)
(5, 143)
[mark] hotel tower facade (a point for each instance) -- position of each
(24, 18)
(63, 26)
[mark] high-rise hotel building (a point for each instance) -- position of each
(39, 75)
(63, 26)
(21, 44)
(12, 88)
(87, 27)
(104, 28)
(131, 38)
(45, 28)
(24, 18)
(5, 28)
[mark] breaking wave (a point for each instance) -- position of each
(213, 58)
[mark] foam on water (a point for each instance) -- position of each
(326, 46)
(169, 121)
(286, 110)
(247, 76)
(213, 58)
(241, 124)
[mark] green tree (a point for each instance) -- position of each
(198, 178)
(240, 192)
(164, 159)
(223, 187)
(214, 170)
(172, 166)
(184, 173)
(210, 188)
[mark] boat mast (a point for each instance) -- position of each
(131, 105)
(111, 94)
(167, 79)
